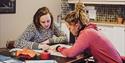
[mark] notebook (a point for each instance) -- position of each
(7, 59)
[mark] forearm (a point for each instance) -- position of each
(26, 44)
(76, 49)
(60, 39)
(31, 45)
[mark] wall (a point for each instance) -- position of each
(12, 25)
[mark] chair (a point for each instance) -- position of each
(10, 44)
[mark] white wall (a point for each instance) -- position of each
(12, 25)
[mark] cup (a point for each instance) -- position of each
(45, 55)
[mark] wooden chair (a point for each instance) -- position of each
(10, 44)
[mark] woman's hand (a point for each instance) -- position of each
(79, 56)
(46, 42)
(53, 47)
(43, 46)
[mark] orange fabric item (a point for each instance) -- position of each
(26, 51)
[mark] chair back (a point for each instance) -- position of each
(10, 44)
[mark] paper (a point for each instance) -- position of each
(13, 61)
(92, 14)
(14, 49)
(40, 61)
(56, 53)
(53, 51)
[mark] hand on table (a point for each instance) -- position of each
(53, 47)
(43, 46)
(79, 56)
(59, 47)
(45, 42)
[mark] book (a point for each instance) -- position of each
(40, 61)
(7, 59)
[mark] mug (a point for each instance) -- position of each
(45, 55)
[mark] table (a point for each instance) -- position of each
(5, 51)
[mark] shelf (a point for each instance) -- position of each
(110, 24)
(101, 2)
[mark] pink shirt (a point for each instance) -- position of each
(101, 48)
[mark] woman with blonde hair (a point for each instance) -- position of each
(88, 39)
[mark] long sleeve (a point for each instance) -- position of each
(25, 40)
(100, 47)
(80, 45)
(32, 37)
(58, 37)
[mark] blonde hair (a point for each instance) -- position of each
(78, 14)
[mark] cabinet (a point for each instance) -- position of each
(103, 13)
(116, 34)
